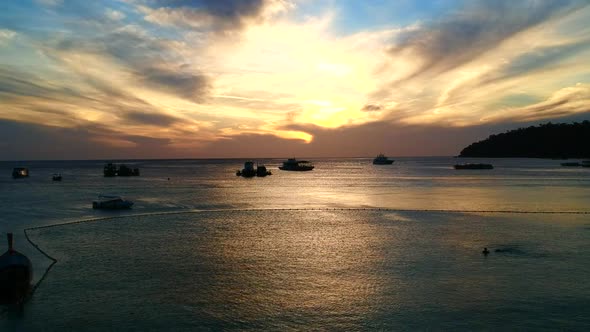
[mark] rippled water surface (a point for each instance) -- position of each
(327, 249)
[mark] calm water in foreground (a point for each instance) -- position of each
(348, 246)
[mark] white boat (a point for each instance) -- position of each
(111, 202)
(293, 164)
(382, 160)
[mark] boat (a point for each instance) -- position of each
(124, 170)
(262, 171)
(382, 160)
(473, 166)
(111, 170)
(20, 172)
(293, 164)
(56, 177)
(248, 171)
(111, 202)
(16, 273)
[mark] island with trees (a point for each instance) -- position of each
(549, 140)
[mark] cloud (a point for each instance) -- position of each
(217, 15)
(187, 85)
(152, 119)
(568, 101)
(454, 41)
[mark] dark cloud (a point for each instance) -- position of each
(372, 108)
(226, 14)
(152, 119)
(186, 85)
(37, 141)
(447, 44)
(141, 54)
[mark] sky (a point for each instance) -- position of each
(121, 79)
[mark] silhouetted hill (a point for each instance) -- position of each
(544, 141)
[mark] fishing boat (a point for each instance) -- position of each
(56, 177)
(248, 171)
(16, 273)
(111, 202)
(293, 164)
(261, 171)
(382, 160)
(20, 172)
(110, 170)
(473, 166)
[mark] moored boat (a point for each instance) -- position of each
(293, 164)
(111, 202)
(262, 171)
(56, 177)
(248, 171)
(473, 166)
(20, 172)
(382, 160)
(16, 273)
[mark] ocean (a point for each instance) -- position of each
(347, 246)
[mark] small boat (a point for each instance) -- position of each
(20, 172)
(382, 160)
(56, 177)
(473, 166)
(262, 171)
(293, 164)
(111, 202)
(16, 273)
(248, 171)
(110, 170)
(127, 171)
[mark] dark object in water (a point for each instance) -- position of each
(473, 166)
(109, 202)
(56, 177)
(127, 171)
(382, 160)
(20, 172)
(16, 273)
(262, 171)
(111, 170)
(249, 171)
(485, 251)
(293, 164)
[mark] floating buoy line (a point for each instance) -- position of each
(82, 221)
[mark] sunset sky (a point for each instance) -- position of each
(283, 78)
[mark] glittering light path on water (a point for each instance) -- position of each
(54, 260)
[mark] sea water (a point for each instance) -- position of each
(347, 246)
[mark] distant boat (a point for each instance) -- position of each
(56, 177)
(248, 171)
(20, 172)
(293, 164)
(110, 170)
(16, 273)
(474, 166)
(109, 202)
(262, 171)
(382, 160)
